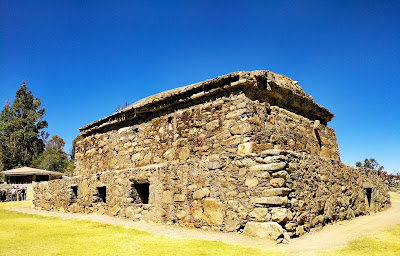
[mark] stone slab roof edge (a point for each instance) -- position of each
(243, 77)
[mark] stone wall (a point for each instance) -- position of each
(201, 131)
(247, 152)
(293, 192)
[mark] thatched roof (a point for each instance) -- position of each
(29, 171)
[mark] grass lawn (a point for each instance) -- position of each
(24, 234)
(386, 242)
(394, 196)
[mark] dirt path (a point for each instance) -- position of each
(329, 237)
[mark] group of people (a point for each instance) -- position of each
(16, 194)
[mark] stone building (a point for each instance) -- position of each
(247, 151)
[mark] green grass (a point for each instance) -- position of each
(25, 234)
(394, 196)
(386, 242)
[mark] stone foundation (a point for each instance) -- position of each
(293, 192)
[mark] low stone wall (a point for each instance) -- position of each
(284, 191)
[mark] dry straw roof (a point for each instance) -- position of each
(29, 171)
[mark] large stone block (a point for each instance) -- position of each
(213, 213)
(276, 192)
(260, 214)
(281, 214)
(268, 167)
(263, 229)
(273, 200)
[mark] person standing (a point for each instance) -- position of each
(13, 193)
(24, 193)
(3, 194)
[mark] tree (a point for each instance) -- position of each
(370, 163)
(20, 130)
(53, 157)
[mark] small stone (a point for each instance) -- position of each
(214, 165)
(167, 197)
(272, 159)
(276, 192)
(129, 212)
(251, 182)
(201, 193)
(181, 214)
(179, 198)
(184, 153)
(273, 152)
(223, 135)
(290, 226)
(277, 182)
(281, 174)
(246, 148)
(212, 125)
(241, 128)
(235, 113)
(234, 140)
(299, 231)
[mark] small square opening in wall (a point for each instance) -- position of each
(73, 196)
(140, 192)
(102, 193)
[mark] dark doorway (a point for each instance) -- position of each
(140, 193)
(102, 193)
(368, 192)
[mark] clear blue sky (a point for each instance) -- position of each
(84, 58)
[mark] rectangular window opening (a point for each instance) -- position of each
(318, 138)
(75, 191)
(368, 192)
(102, 193)
(73, 195)
(140, 192)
